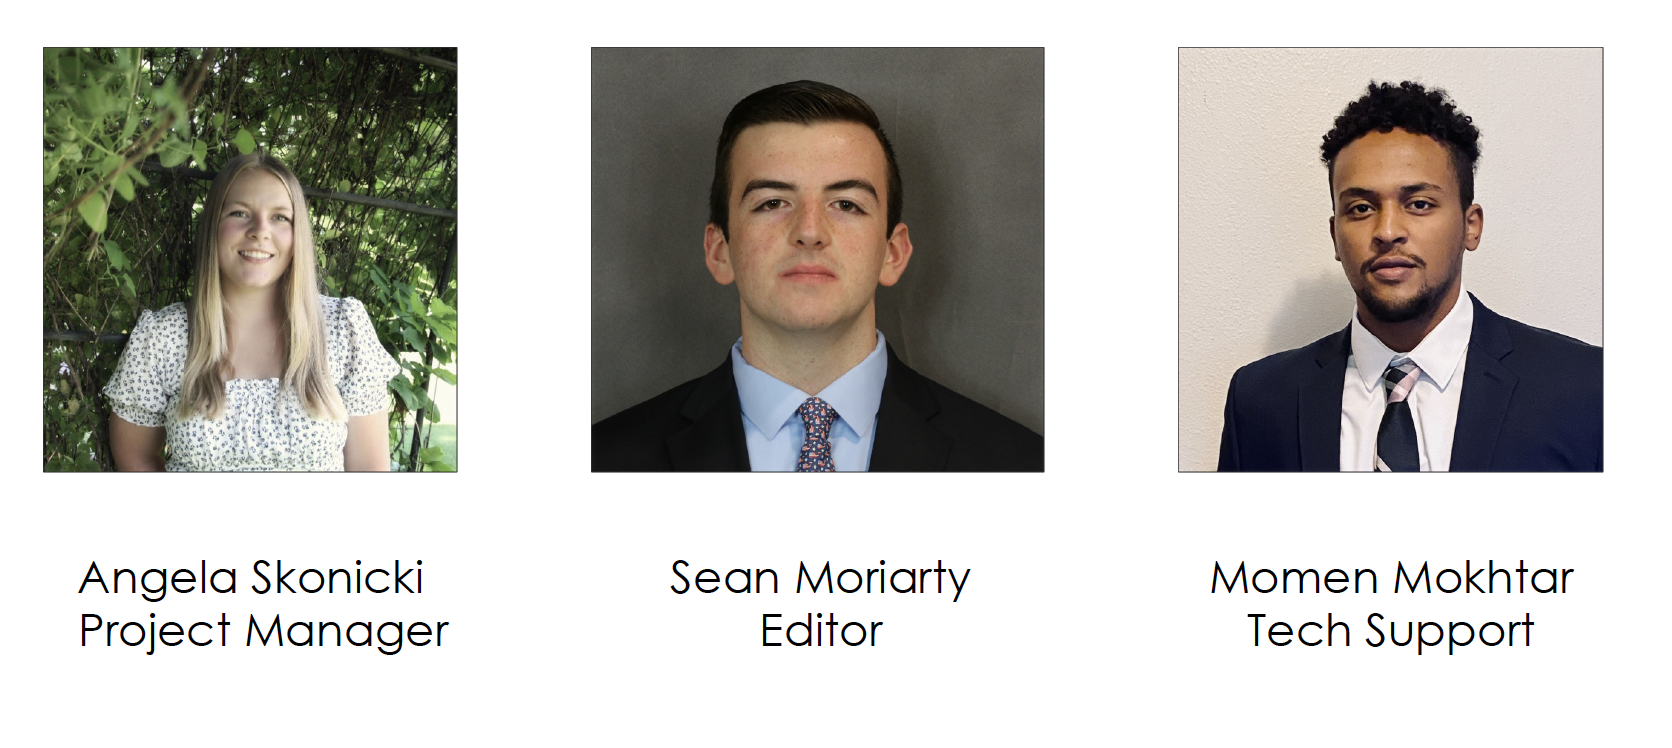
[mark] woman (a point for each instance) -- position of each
(258, 371)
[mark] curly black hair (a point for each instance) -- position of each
(1415, 109)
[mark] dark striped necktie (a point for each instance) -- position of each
(1396, 439)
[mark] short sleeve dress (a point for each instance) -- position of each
(263, 428)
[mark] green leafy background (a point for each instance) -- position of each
(121, 125)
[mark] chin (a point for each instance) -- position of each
(807, 324)
(812, 319)
(1402, 309)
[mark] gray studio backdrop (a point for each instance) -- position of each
(968, 127)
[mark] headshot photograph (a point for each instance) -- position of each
(1390, 260)
(250, 262)
(818, 260)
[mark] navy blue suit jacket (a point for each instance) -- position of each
(1531, 401)
(921, 426)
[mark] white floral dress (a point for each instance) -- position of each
(263, 427)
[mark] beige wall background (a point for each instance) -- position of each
(1256, 268)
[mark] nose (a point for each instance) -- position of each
(812, 230)
(1390, 227)
(260, 227)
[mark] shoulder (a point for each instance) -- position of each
(633, 438)
(346, 307)
(979, 418)
(1533, 350)
(660, 415)
(345, 318)
(983, 439)
(171, 314)
(163, 328)
(1546, 343)
(1285, 366)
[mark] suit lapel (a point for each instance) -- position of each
(1320, 405)
(905, 440)
(714, 440)
(1487, 386)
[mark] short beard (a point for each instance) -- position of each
(1392, 312)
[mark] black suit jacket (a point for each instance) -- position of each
(1531, 401)
(921, 426)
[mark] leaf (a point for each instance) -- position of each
(92, 98)
(343, 186)
(446, 375)
(412, 338)
(172, 152)
(113, 251)
(430, 454)
(433, 414)
(69, 67)
(124, 186)
(244, 140)
(446, 331)
(139, 178)
(162, 96)
(439, 466)
(93, 212)
(200, 152)
(439, 308)
(404, 390)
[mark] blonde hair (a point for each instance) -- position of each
(208, 352)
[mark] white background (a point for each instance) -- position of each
(1086, 619)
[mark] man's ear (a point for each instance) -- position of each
(716, 253)
(1474, 221)
(897, 255)
(1332, 238)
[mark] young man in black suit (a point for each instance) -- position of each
(1425, 377)
(804, 216)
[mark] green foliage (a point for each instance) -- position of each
(118, 233)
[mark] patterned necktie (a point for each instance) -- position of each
(818, 417)
(1396, 439)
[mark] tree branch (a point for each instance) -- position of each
(195, 82)
(434, 62)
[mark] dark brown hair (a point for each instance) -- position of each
(804, 103)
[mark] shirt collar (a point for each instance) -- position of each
(770, 403)
(1438, 355)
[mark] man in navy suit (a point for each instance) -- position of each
(804, 217)
(1425, 377)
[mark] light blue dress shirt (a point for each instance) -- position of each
(773, 430)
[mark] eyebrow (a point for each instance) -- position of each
(1405, 191)
(773, 184)
(230, 203)
(853, 184)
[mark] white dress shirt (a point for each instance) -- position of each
(772, 427)
(1433, 400)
